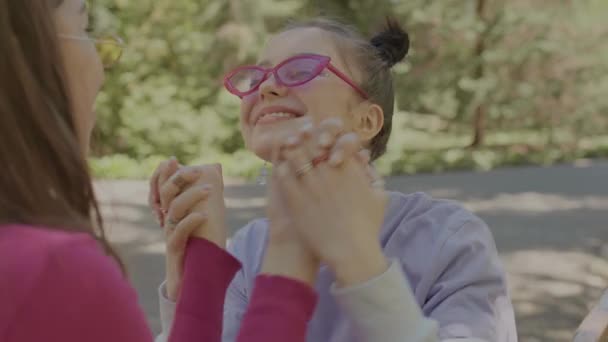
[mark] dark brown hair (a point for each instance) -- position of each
(45, 179)
(374, 58)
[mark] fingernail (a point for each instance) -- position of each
(207, 187)
(307, 127)
(292, 141)
(325, 139)
(336, 158)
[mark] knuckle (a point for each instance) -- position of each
(202, 190)
(350, 139)
(335, 123)
(171, 213)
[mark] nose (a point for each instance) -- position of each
(270, 88)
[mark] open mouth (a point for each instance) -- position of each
(276, 117)
(275, 114)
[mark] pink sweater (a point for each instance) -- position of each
(59, 286)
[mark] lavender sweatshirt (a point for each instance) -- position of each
(445, 268)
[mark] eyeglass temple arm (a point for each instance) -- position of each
(347, 80)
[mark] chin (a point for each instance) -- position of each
(264, 138)
(262, 148)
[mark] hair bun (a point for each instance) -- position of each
(392, 42)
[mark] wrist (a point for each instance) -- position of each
(353, 266)
(291, 260)
(213, 231)
(171, 289)
(172, 278)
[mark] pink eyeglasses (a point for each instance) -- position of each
(292, 72)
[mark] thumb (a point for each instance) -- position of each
(179, 238)
(220, 171)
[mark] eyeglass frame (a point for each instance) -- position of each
(325, 63)
(116, 41)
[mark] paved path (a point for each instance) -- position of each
(550, 225)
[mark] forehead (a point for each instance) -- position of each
(299, 41)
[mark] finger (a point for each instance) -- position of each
(170, 169)
(177, 241)
(347, 146)
(299, 159)
(376, 180)
(328, 132)
(364, 156)
(171, 166)
(183, 203)
(353, 168)
(303, 133)
(153, 197)
(307, 128)
(153, 184)
(285, 184)
(220, 172)
(177, 183)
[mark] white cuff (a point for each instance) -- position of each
(384, 309)
(167, 313)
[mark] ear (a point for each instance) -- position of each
(369, 119)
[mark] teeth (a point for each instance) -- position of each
(280, 115)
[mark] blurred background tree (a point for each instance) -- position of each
(487, 83)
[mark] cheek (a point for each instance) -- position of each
(324, 99)
(85, 72)
(247, 104)
(85, 77)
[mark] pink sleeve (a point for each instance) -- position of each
(80, 296)
(208, 270)
(280, 309)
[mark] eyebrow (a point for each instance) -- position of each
(266, 63)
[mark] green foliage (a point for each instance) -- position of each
(540, 74)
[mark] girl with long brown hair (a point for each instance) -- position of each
(60, 279)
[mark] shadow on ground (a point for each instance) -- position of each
(550, 225)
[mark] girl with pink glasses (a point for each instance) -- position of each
(386, 266)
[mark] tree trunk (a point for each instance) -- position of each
(479, 119)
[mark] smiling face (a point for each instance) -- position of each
(83, 66)
(275, 111)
